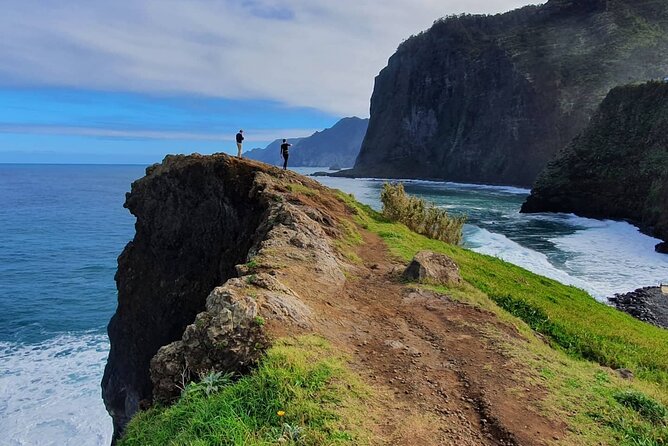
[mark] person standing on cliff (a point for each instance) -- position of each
(240, 140)
(284, 152)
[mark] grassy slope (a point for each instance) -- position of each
(312, 383)
(579, 330)
(305, 378)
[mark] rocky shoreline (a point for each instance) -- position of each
(648, 304)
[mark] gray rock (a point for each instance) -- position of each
(433, 268)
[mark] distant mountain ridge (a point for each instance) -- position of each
(338, 145)
(491, 99)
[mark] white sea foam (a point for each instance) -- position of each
(613, 256)
(50, 392)
(603, 257)
(498, 245)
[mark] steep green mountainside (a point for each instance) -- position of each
(490, 99)
(337, 145)
(618, 167)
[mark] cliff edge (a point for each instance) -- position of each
(618, 167)
(199, 219)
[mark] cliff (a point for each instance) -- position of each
(338, 145)
(241, 267)
(618, 167)
(199, 220)
(490, 99)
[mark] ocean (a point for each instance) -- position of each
(63, 226)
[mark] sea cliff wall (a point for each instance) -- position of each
(188, 300)
(491, 99)
(618, 167)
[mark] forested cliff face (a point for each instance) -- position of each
(618, 167)
(490, 99)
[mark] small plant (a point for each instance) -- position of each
(420, 216)
(259, 320)
(291, 433)
(250, 279)
(252, 265)
(212, 382)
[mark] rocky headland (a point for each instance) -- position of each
(232, 256)
(491, 99)
(618, 167)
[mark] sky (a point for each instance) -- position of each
(129, 81)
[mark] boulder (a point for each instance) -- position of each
(434, 268)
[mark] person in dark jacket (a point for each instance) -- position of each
(285, 153)
(240, 140)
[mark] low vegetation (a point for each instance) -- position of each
(304, 393)
(301, 394)
(583, 335)
(420, 216)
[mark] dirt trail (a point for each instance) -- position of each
(441, 360)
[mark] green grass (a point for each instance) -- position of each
(583, 335)
(304, 377)
(297, 188)
(599, 407)
(570, 318)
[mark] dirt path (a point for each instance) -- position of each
(440, 359)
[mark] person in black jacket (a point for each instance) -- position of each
(240, 140)
(284, 151)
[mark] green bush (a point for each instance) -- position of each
(420, 216)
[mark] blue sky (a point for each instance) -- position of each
(130, 81)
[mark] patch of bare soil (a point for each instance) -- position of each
(439, 362)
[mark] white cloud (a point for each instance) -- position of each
(322, 54)
(99, 132)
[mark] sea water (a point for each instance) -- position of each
(62, 228)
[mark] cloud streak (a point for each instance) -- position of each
(107, 133)
(304, 53)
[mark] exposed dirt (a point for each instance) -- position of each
(448, 380)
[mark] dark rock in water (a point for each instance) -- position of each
(434, 268)
(618, 167)
(491, 99)
(647, 304)
(662, 247)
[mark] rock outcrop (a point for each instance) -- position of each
(201, 281)
(491, 99)
(433, 268)
(618, 167)
(648, 304)
(338, 145)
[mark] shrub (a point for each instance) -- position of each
(420, 216)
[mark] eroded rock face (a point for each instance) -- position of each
(228, 336)
(490, 99)
(197, 218)
(201, 281)
(618, 167)
(433, 268)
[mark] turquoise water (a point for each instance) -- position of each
(62, 228)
